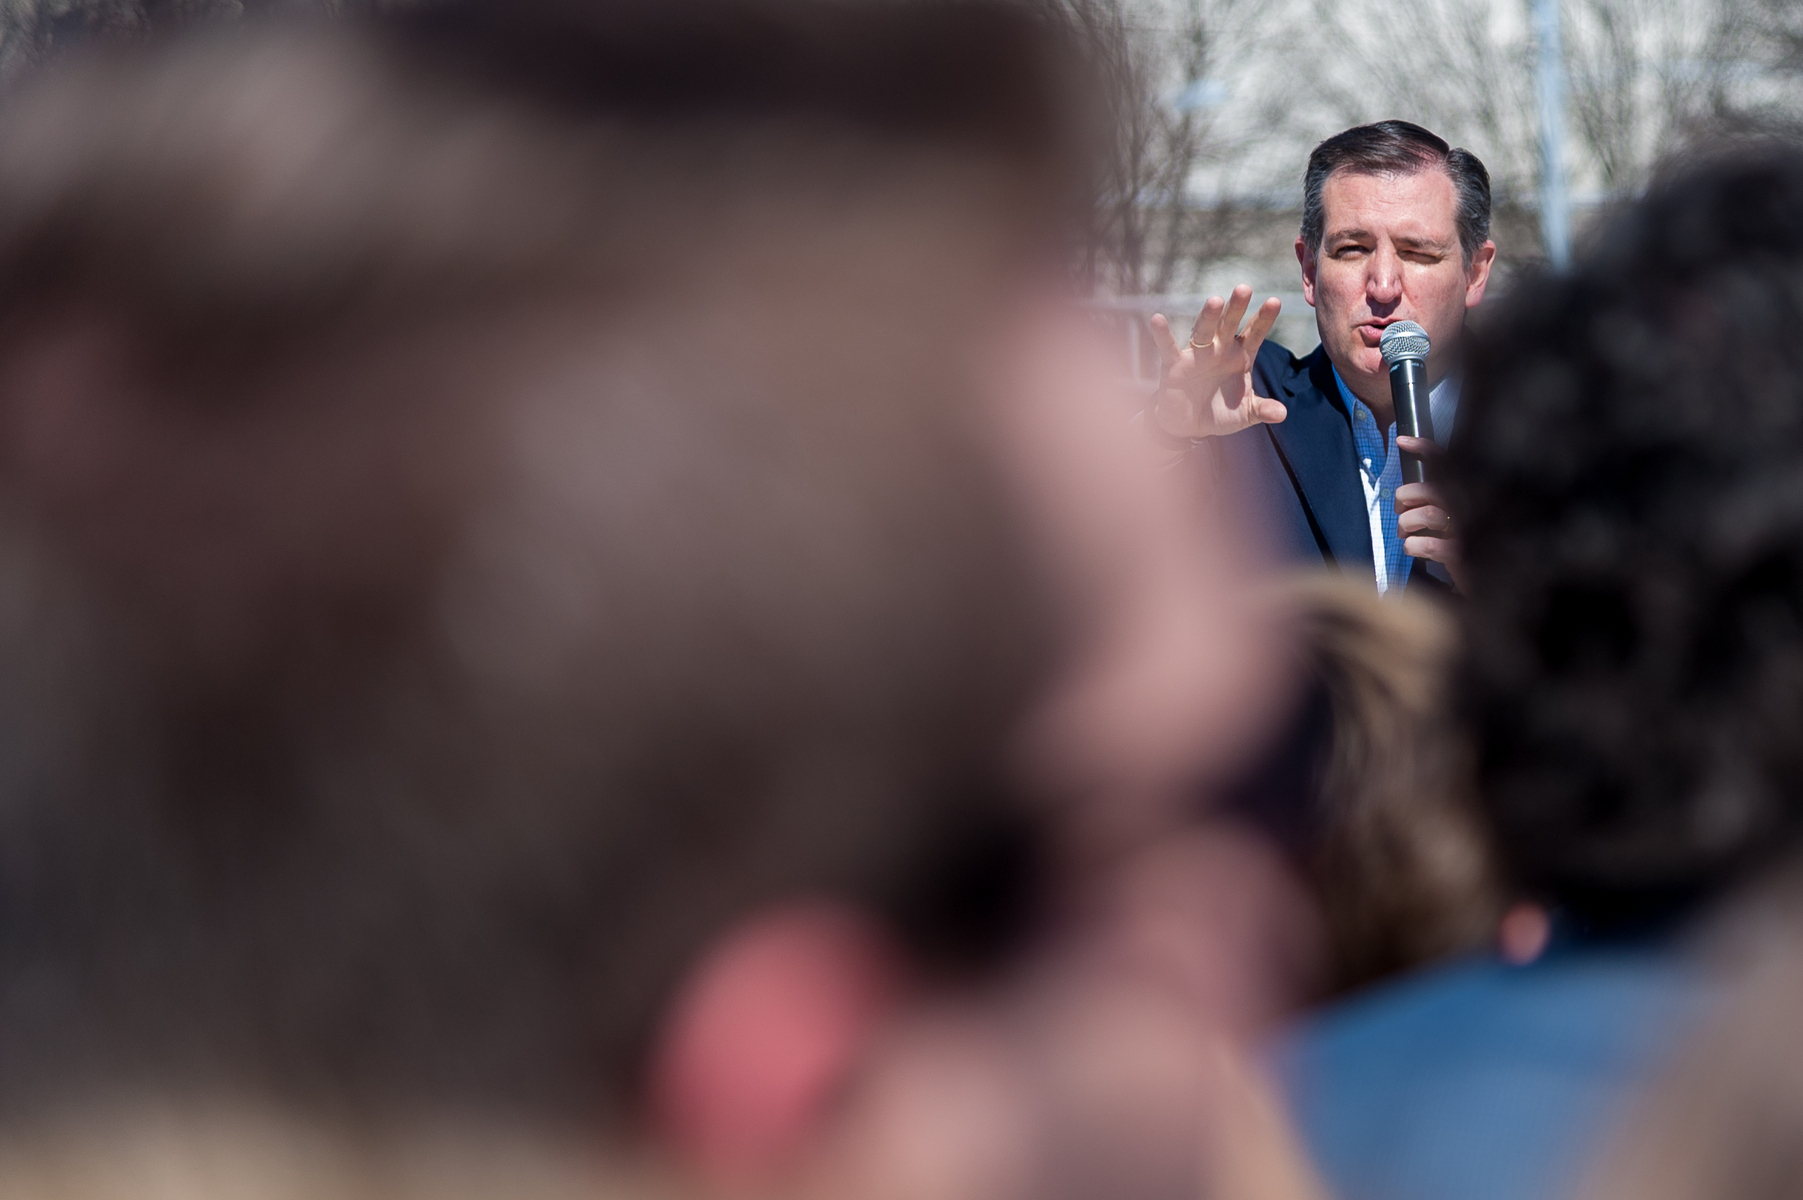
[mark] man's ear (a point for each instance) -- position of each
(1310, 264)
(1478, 277)
(764, 1034)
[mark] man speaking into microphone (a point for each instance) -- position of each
(1395, 228)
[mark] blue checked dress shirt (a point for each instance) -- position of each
(1380, 471)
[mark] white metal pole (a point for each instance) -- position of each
(1555, 205)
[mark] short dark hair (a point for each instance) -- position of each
(429, 787)
(1398, 148)
(995, 68)
(1628, 479)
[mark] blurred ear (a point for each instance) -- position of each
(1310, 264)
(1477, 278)
(765, 1034)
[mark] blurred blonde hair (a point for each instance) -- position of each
(1399, 859)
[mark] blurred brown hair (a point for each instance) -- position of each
(1368, 790)
(453, 557)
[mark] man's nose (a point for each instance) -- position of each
(1383, 279)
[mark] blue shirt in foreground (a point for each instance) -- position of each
(1483, 1081)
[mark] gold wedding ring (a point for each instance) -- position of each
(1195, 345)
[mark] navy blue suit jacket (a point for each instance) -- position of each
(1298, 480)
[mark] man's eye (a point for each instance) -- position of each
(1349, 251)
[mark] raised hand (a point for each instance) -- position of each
(1206, 390)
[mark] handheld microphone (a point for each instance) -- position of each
(1404, 347)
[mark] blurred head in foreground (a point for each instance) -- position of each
(1643, 743)
(1634, 521)
(519, 614)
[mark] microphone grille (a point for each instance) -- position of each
(1402, 341)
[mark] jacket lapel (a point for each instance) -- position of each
(1315, 442)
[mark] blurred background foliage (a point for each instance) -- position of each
(1214, 104)
(1218, 103)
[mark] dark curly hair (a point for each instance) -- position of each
(1630, 477)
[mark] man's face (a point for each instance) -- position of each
(1389, 252)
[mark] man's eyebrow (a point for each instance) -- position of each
(1423, 243)
(1349, 235)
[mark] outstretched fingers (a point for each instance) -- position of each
(1236, 309)
(1208, 321)
(1168, 349)
(1266, 411)
(1260, 328)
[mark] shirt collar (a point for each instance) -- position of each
(1442, 404)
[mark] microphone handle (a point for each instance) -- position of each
(1408, 390)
